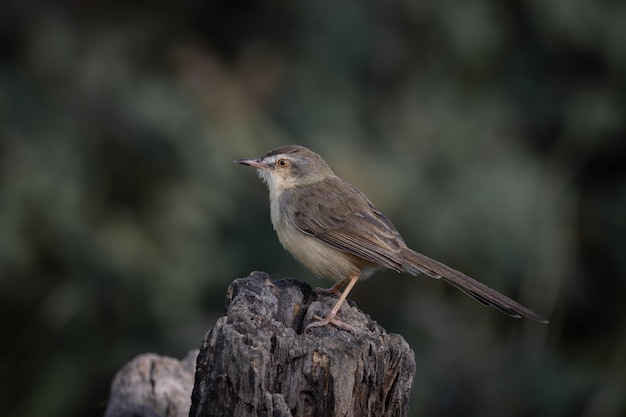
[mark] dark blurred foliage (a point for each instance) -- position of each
(490, 132)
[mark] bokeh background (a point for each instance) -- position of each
(490, 132)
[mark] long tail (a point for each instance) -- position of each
(416, 263)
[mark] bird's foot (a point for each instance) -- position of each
(335, 289)
(330, 320)
(328, 291)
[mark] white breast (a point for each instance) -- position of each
(322, 259)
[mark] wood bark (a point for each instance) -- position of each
(257, 361)
(153, 386)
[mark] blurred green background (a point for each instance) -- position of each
(491, 133)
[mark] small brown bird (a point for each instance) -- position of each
(333, 229)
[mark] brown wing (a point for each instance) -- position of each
(336, 213)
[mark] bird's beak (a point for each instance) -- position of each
(256, 163)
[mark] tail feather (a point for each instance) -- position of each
(416, 263)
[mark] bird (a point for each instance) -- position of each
(334, 230)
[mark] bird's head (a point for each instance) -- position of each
(289, 166)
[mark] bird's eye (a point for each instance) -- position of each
(282, 163)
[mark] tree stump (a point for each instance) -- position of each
(256, 361)
(153, 386)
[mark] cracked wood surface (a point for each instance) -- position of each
(257, 362)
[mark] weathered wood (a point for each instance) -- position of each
(256, 361)
(153, 386)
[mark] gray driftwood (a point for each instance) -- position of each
(256, 361)
(153, 386)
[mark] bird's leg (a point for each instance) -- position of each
(330, 318)
(335, 289)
